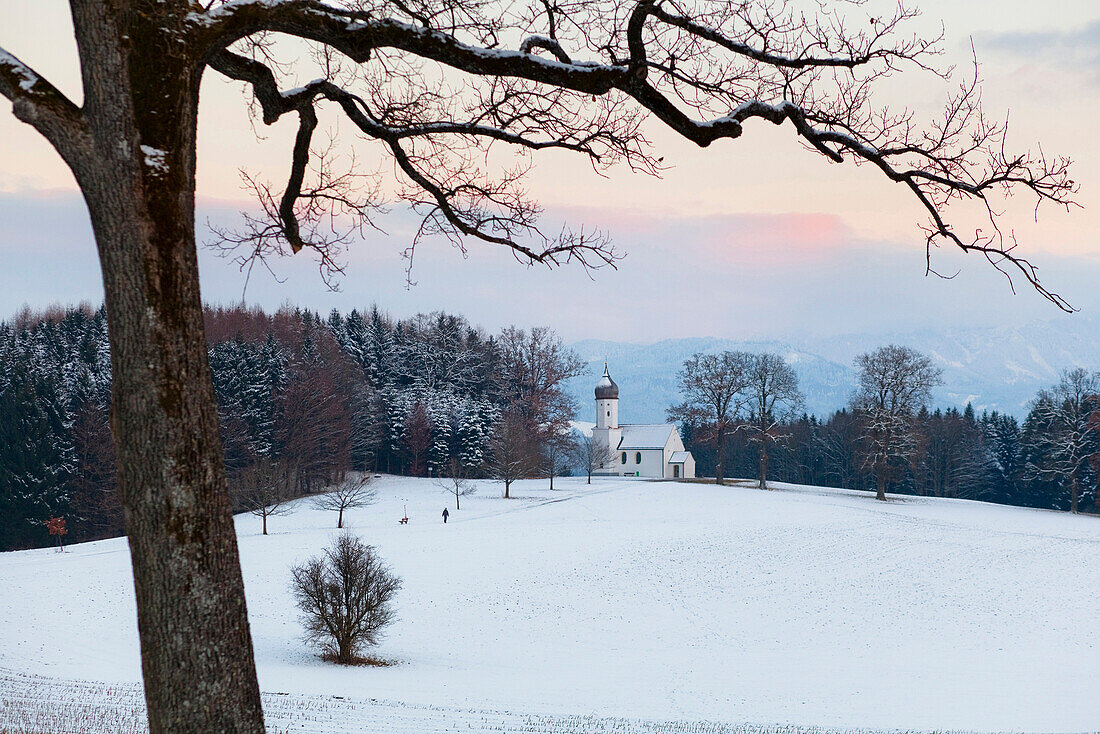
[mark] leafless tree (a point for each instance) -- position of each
(894, 383)
(1068, 414)
(591, 455)
(579, 77)
(713, 386)
(772, 398)
(353, 491)
(534, 366)
(514, 452)
(346, 597)
(457, 482)
(557, 451)
(265, 488)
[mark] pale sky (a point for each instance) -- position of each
(753, 237)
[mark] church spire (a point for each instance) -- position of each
(606, 389)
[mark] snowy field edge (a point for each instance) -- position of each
(37, 705)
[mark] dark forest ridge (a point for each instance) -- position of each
(433, 395)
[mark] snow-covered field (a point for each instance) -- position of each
(618, 607)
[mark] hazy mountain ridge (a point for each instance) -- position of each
(995, 368)
(646, 374)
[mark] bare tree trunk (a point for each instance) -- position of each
(762, 473)
(721, 458)
(340, 519)
(881, 493)
(343, 654)
(141, 103)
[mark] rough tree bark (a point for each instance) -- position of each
(132, 151)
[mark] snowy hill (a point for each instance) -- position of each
(995, 368)
(624, 606)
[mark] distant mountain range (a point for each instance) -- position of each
(994, 368)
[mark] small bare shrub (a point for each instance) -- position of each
(346, 597)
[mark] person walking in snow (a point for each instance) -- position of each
(446, 514)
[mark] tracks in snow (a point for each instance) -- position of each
(37, 705)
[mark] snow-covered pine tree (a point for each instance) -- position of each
(37, 459)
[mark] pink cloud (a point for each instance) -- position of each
(743, 239)
(777, 240)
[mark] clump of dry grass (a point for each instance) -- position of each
(360, 660)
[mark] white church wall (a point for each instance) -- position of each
(674, 444)
(650, 464)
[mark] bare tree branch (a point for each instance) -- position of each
(701, 68)
(40, 104)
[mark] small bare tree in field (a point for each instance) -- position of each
(346, 597)
(354, 491)
(265, 489)
(894, 383)
(713, 386)
(558, 449)
(514, 451)
(457, 482)
(772, 398)
(591, 455)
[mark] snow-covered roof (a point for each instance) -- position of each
(645, 436)
(679, 457)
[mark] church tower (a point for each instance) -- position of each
(607, 401)
(607, 433)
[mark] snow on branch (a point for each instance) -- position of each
(701, 68)
(40, 104)
(454, 198)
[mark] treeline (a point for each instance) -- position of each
(1050, 461)
(301, 397)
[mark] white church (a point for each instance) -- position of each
(636, 449)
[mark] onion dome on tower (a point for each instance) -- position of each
(606, 389)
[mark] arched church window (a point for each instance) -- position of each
(624, 457)
(638, 457)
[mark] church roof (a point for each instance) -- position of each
(645, 436)
(679, 457)
(606, 389)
